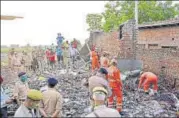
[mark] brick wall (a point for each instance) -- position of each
(163, 36)
(156, 59)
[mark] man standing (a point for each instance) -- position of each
(104, 61)
(30, 107)
(34, 61)
(59, 55)
(66, 55)
(21, 88)
(116, 86)
(52, 59)
(60, 39)
(10, 57)
(95, 60)
(99, 80)
(51, 104)
(27, 61)
(73, 53)
(16, 61)
(99, 96)
(146, 79)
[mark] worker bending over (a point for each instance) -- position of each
(21, 88)
(94, 60)
(30, 107)
(146, 79)
(116, 86)
(51, 104)
(99, 97)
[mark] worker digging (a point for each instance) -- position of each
(54, 87)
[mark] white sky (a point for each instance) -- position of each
(44, 19)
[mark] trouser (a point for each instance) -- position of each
(52, 64)
(59, 58)
(95, 64)
(147, 84)
(116, 92)
(3, 113)
(66, 62)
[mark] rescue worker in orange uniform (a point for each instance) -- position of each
(104, 61)
(95, 60)
(116, 86)
(146, 79)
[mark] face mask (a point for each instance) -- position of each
(24, 78)
(35, 105)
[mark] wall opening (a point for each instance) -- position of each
(152, 46)
(170, 47)
(120, 31)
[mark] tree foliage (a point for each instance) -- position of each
(118, 12)
(94, 21)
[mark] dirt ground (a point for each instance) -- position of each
(76, 97)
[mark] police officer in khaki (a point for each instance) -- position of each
(21, 88)
(99, 96)
(30, 107)
(98, 80)
(16, 61)
(51, 104)
(10, 57)
(27, 62)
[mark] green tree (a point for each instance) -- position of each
(117, 12)
(94, 21)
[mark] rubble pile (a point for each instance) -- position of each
(76, 98)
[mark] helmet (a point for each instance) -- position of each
(34, 95)
(102, 89)
(113, 61)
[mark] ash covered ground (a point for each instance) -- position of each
(76, 98)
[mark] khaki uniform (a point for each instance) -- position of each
(66, 57)
(103, 111)
(20, 91)
(97, 81)
(17, 66)
(27, 61)
(41, 59)
(51, 102)
(10, 57)
(24, 112)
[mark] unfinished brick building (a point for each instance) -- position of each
(157, 46)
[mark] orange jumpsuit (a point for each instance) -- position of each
(116, 85)
(146, 79)
(95, 61)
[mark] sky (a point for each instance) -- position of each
(44, 19)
